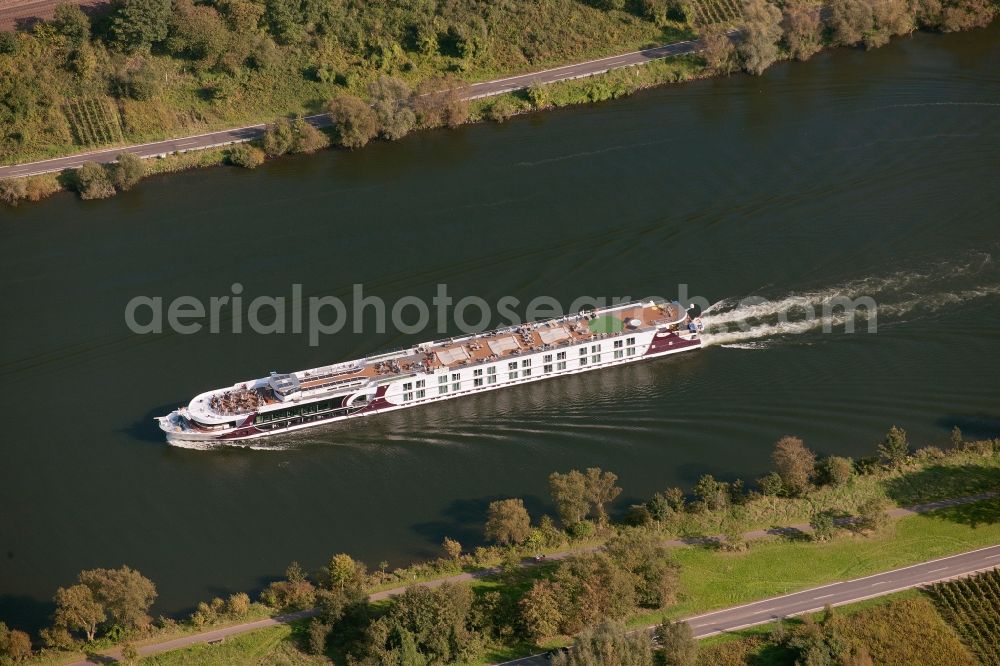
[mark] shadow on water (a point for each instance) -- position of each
(24, 612)
(979, 426)
(464, 520)
(943, 481)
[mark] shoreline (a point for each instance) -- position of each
(499, 106)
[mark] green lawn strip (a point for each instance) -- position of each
(279, 644)
(711, 579)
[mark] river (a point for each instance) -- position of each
(858, 173)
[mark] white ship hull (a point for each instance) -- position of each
(431, 373)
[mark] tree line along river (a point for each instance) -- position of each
(872, 174)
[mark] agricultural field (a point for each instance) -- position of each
(715, 12)
(94, 121)
(972, 607)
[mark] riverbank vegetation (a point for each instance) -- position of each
(620, 571)
(150, 69)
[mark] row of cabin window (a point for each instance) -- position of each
(455, 379)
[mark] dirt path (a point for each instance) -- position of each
(218, 635)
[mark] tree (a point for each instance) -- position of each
(508, 522)
(891, 17)
(197, 32)
(308, 139)
(677, 642)
(592, 587)
(139, 24)
(762, 30)
(803, 27)
(127, 171)
(770, 484)
(713, 494)
(15, 645)
(279, 138)
(962, 15)
(658, 508)
(246, 155)
(391, 103)
(895, 449)
(837, 470)
(849, 21)
(452, 548)
(794, 463)
(655, 576)
(78, 610)
(957, 441)
(70, 22)
(675, 498)
(601, 490)
(93, 182)
(610, 644)
(432, 624)
(540, 611)
(346, 574)
(318, 633)
(441, 101)
(718, 51)
(569, 492)
(346, 585)
(823, 525)
(354, 122)
(238, 605)
(125, 594)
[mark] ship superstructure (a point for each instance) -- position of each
(434, 371)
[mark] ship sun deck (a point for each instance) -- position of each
(490, 346)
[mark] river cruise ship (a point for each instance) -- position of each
(435, 371)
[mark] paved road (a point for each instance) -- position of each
(220, 634)
(13, 11)
(236, 135)
(835, 594)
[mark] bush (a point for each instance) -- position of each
(13, 190)
(238, 605)
(581, 530)
(245, 155)
(127, 171)
(539, 96)
(501, 109)
(354, 122)
(93, 182)
(279, 138)
(836, 470)
(823, 525)
(307, 139)
(391, 103)
(318, 633)
(770, 484)
(8, 42)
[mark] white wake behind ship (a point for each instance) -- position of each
(435, 371)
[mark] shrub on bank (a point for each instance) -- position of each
(245, 155)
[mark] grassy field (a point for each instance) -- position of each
(885, 627)
(274, 646)
(713, 579)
